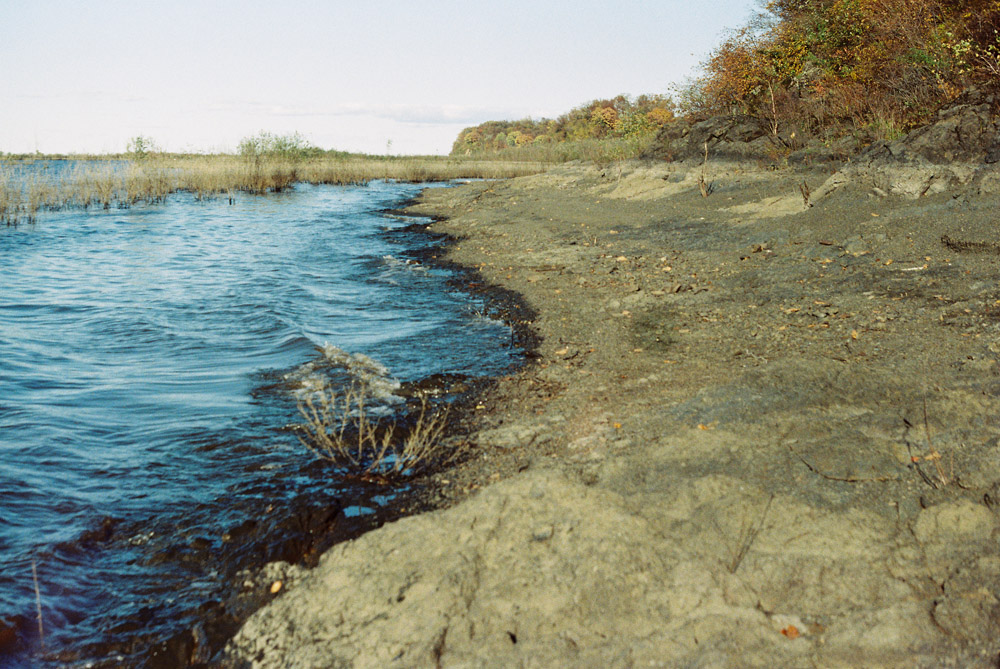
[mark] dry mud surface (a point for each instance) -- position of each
(755, 434)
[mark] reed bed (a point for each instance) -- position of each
(123, 183)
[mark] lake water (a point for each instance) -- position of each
(149, 361)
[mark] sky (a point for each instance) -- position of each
(372, 76)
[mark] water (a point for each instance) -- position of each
(149, 360)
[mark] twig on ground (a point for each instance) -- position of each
(804, 189)
(942, 478)
(843, 479)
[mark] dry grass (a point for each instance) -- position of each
(126, 183)
(601, 152)
(340, 428)
(10, 197)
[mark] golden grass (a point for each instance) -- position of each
(124, 183)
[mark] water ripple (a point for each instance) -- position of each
(148, 362)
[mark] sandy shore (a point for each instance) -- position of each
(756, 434)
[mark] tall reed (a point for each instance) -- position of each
(9, 197)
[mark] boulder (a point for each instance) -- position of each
(961, 147)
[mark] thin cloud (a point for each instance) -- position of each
(401, 113)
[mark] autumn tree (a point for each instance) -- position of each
(618, 117)
(886, 64)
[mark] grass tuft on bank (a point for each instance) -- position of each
(341, 428)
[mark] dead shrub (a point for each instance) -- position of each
(341, 428)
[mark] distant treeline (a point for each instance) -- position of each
(621, 117)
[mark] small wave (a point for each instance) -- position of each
(393, 261)
(292, 341)
(339, 367)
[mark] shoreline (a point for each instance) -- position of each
(275, 544)
(754, 431)
(320, 527)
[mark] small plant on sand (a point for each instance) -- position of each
(704, 186)
(340, 428)
(750, 528)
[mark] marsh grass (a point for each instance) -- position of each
(10, 197)
(341, 428)
(124, 183)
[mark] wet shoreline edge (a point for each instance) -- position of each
(421, 496)
(307, 528)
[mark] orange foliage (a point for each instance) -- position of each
(853, 62)
(622, 116)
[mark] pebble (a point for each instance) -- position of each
(543, 534)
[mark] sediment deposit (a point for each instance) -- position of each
(759, 431)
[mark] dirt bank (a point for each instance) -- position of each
(757, 433)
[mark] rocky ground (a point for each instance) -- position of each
(762, 428)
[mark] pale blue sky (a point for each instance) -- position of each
(201, 74)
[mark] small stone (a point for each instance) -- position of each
(855, 248)
(543, 534)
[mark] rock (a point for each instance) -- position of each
(856, 248)
(726, 137)
(957, 523)
(963, 617)
(962, 145)
(566, 585)
(10, 634)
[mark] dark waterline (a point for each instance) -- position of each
(149, 361)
